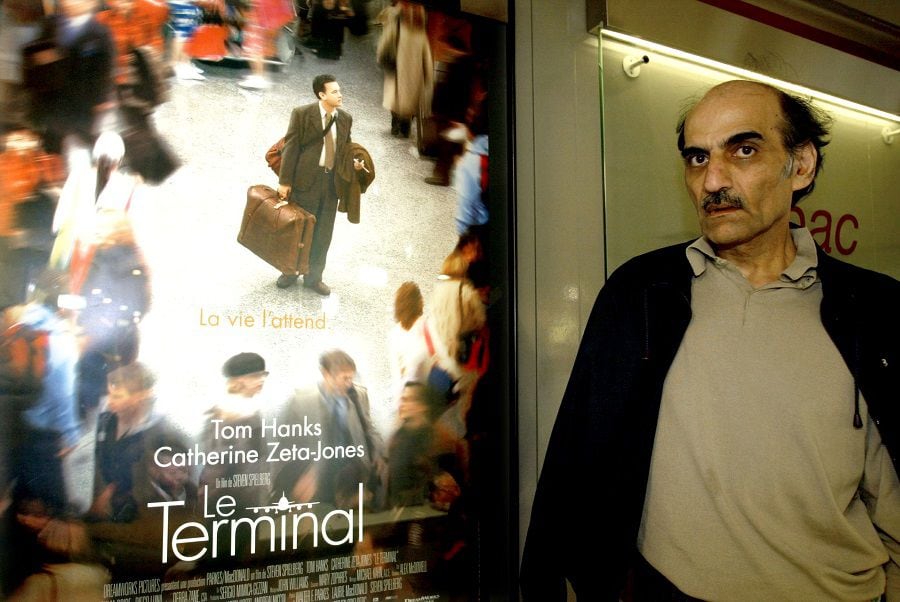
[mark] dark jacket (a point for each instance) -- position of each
(125, 462)
(351, 183)
(88, 81)
(598, 459)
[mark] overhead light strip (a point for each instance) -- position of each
(747, 74)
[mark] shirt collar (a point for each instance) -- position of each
(700, 253)
(806, 260)
(323, 112)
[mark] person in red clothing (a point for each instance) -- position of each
(134, 24)
(264, 21)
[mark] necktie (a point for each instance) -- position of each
(342, 430)
(329, 146)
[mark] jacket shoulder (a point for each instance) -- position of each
(874, 295)
(305, 400)
(304, 110)
(305, 394)
(836, 271)
(667, 264)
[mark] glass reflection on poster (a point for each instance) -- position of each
(253, 294)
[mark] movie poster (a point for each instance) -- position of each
(189, 419)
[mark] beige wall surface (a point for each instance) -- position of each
(695, 26)
(560, 220)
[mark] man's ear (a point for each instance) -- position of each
(804, 169)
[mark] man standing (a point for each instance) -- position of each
(731, 416)
(318, 133)
(352, 450)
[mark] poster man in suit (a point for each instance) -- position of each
(318, 133)
(347, 448)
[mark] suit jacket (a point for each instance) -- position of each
(309, 406)
(125, 462)
(303, 145)
(89, 78)
(359, 423)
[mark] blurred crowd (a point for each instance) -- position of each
(80, 83)
(71, 376)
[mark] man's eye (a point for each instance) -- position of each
(745, 151)
(695, 160)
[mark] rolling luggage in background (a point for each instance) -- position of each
(277, 231)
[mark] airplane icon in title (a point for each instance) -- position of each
(283, 505)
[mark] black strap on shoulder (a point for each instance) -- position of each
(330, 123)
(324, 133)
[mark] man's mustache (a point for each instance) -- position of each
(722, 198)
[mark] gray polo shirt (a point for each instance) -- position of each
(760, 487)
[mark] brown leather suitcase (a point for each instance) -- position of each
(277, 231)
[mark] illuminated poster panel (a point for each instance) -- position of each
(233, 435)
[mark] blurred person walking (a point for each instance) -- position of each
(128, 430)
(47, 428)
(442, 135)
(29, 182)
(327, 19)
(95, 244)
(338, 408)
(184, 18)
(412, 460)
(87, 190)
(40, 428)
(239, 410)
(134, 24)
(405, 55)
(20, 24)
(117, 296)
(471, 177)
(71, 95)
(406, 344)
(263, 25)
(456, 338)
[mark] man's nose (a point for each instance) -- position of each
(716, 176)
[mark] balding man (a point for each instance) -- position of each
(731, 423)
